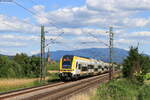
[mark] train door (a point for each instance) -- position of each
(78, 68)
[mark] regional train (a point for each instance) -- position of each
(74, 67)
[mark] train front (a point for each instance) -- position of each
(66, 67)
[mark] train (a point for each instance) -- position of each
(74, 67)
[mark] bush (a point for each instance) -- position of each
(53, 66)
(136, 65)
(9, 68)
(19, 66)
(147, 76)
(117, 90)
(144, 93)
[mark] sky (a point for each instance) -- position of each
(84, 24)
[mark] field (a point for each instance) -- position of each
(7, 84)
(12, 84)
(53, 66)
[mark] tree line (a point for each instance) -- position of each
(19, 66)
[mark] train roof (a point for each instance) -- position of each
(76, 56)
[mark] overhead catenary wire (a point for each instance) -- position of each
(33, 13)
(10, 25)
(52, 40)
(98, 39)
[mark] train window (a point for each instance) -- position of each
(90, 67)
(79, 66)
(66, 64)
(99, 67)
(96, 69)
(84, 68)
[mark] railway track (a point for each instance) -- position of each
(56, 91)
(11, 94)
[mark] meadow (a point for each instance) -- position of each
(13, 84)
(123, 89)
(16, 83)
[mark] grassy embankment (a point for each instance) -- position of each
(53, 66)
(12, 84)
(123, 89)
(118, 89)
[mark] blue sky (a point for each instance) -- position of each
(20, 30)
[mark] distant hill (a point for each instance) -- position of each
(7, 56)
(96, 53)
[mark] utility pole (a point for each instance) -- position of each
(42, 57)
(48, 56)
(111, 36)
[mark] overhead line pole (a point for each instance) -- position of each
(111, 35)
(42, 56)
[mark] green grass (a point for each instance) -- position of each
(53, 77)
(53, 66)
(122, 89)
(16, 87)
(144, 93)
(24, 83)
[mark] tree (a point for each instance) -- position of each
(35, 63)
(131, 63)
(24, 62)
(30, 65)
(136, 65)
(9, 68)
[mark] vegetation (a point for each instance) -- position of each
(136, 73)
(12, 84)
(53, 65)
(19, 66)
(22, 71)
(122, 89)
(136, 65)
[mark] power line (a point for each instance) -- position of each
(98, 39)
(33, 13)
(10, 25)
(34, 2)
(53, 40)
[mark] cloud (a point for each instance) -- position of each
(13, 24)
(35, 52)
(136, 22)
(95, 16)
(141, 34)
(18, 37)
(124, 41)
(116, 5)
(97, 13)
(12, 44)
(8, 51)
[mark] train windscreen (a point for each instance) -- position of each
(67, 62)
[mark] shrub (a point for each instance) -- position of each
(144, 93)
(117, 90)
